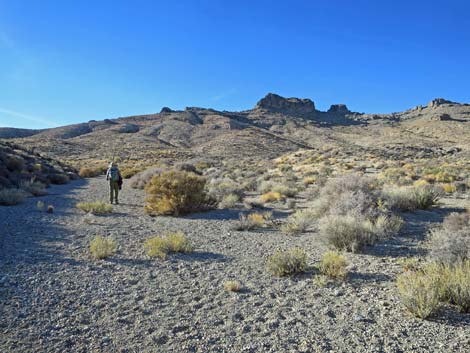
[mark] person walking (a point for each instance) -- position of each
(115, 181)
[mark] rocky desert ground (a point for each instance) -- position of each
(386, 196)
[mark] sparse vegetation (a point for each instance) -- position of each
(102, 247)
(229, 201)
(298, 222)
(95, 207)
(288, 262)
(450, 243)
(33, 187)
(412, 198)
(11, 197)
(253, 220)
(271, 196)
(419, 293)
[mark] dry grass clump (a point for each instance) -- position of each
(229, 201)
(298, 222)
(90, 172)
(412, 198)
(253, 220)
(333, 265)
(232, 286)
(10, 197)
(449, 188)
(129, 172)
(288, 262)
(419, 293)
(101, 247)
(171, 243)
(271, 196)
(423, 291)
(450, 243)
(95, 207)
(176, 193)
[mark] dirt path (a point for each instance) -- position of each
(55, 298)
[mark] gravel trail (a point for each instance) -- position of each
(55, 298)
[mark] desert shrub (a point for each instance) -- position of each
(347, 195)
(10, 197)
(449, 188)
(308, 180)
(288, 262)
(419, 292)
(270, 196)
(412, 198)
(171, 243)
(15, 163)
(175, 193)
(59, 179)
(220, 187)
(450, 243)
(253, 220)
(458, 290)
(385, 225)
(127, 173)
(229, 201)
(333, 265)
(139, 180)
(232, 286)
(33, 187)
(88, 172)
(178, 242)
(265, 186)
(101, 247)
(346, 232)
(285, 190)
(95, 207)
(298, 222)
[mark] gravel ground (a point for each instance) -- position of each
(55, 298)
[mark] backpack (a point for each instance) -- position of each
(114, 174)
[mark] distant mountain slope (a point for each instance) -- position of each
(276, 125)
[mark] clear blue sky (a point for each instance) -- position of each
(63, 61)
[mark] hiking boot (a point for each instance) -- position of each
(117, 202)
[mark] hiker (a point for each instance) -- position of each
(115, 182)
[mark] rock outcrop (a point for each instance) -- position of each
(339, 109)
(291, 106)
(439, 101)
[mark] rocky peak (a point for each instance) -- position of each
(276, 103)
(339, 108)
(439, 101)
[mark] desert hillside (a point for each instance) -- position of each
(277, 229)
